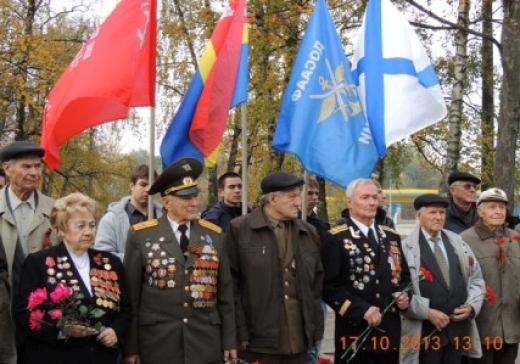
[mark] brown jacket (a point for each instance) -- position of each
(502, 319)
(256, 273)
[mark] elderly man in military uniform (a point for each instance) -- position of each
(364, 272)
(24, 211)
(179, 279)
(277, 276)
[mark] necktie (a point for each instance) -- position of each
(185, 241)
(372, 239)
(441, 260)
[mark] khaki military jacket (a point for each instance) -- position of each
(183, 311)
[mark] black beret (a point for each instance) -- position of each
(20, 148)
(461, 176)
(430, 199)
(280, 181)
(179, 178)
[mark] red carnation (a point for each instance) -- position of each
(37, 298)
(500, 241)
(426, 273)
(61, 293)
(490, 296)
(516, 237)
(36, 318)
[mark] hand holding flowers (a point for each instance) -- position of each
(64, 306)
(400, 299)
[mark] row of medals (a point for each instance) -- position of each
(360, 265)
(104, 282)
(63, 271)
(106, 286)
(161, 270)
(204, 278)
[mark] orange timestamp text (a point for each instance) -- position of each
(417, 343)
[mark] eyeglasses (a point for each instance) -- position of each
(468, 186)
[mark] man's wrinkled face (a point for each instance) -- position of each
(493, 213)
(432, 218)
(182, 209)
(364, 202)
(464, 191)
(24, 173)
(287, 204)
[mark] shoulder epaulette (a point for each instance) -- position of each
(146, 224)
(384, 227)
(210, 225)
(338, 229)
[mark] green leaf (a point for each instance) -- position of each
(97, 313)
(83, 310)
(99, 327)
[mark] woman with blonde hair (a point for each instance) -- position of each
(72, 305)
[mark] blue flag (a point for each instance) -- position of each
(321, 120)
(397, 85)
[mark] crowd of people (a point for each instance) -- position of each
(254, 288)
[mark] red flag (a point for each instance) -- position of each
(114, 71)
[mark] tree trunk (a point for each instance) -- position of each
(21, 98)
(507, 132)
(455, 111)
(488, 104)
(234, 142)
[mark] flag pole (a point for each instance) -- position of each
(305, 199)
(151, 170)
(243, 111)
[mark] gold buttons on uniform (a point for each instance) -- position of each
(186, 304)
(185, 320)
(186, 288)
(186, 272)
(286, 283)
(378, 295)
(286, 297)
(286, 269)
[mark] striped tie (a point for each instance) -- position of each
(441, 260)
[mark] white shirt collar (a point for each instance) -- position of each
(364, 228)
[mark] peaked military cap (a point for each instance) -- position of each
(21, 148)
(462, 176)
(493, 194)
(179, 178)
(280, 181)
(430, 199)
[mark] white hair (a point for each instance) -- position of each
(358, 182)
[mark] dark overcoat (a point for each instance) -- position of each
(46, 269)
(357, 276)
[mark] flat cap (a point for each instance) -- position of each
(280, 181)
(21, 148)
(492, 194)
(462, 176)
(179, 178)
(430, 199)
